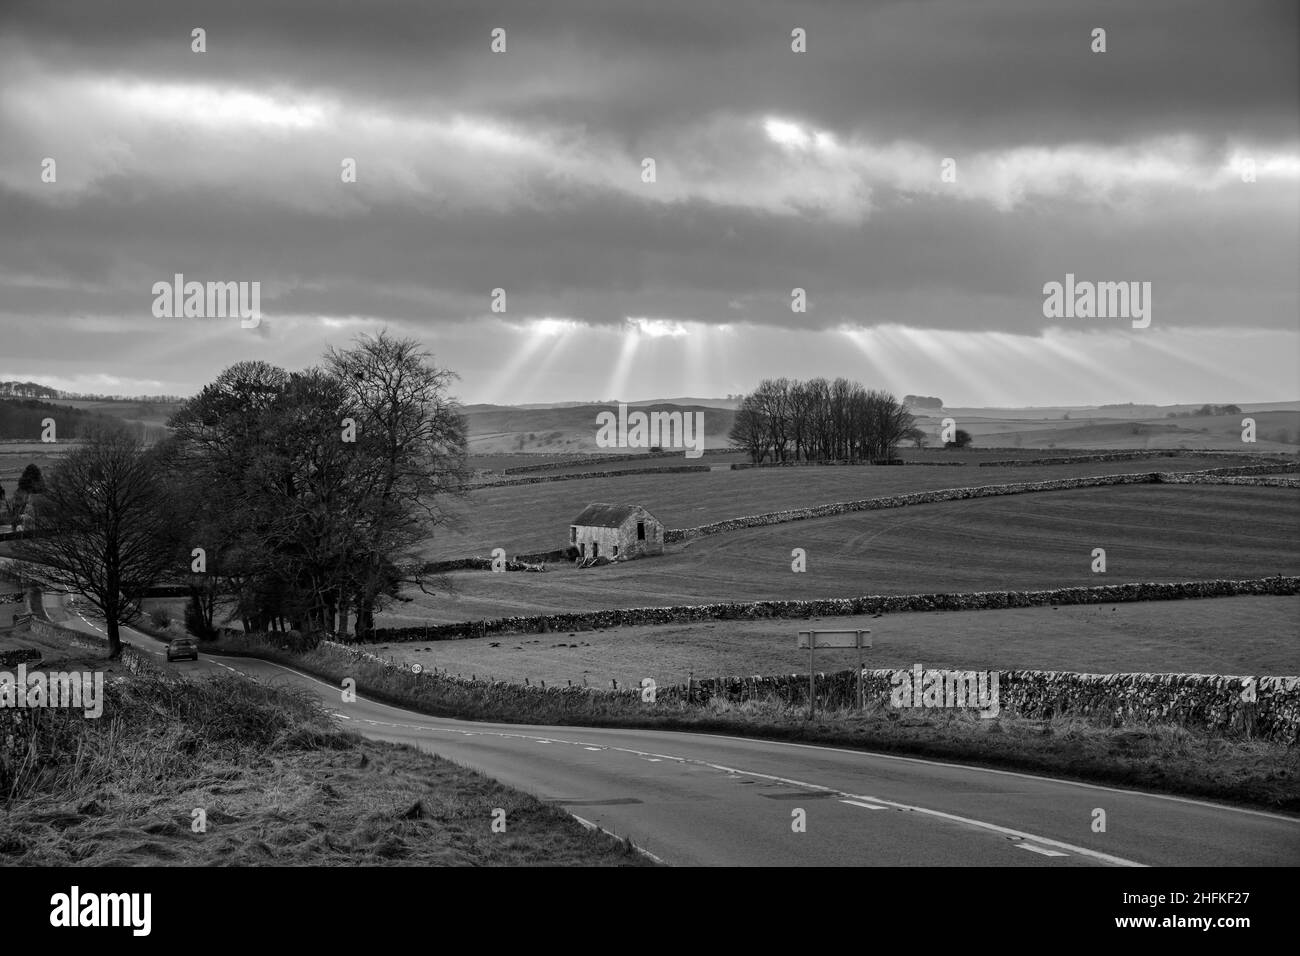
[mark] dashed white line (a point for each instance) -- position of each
(1006, 831)
(867, 806)
(938, 814)
(1040, 849)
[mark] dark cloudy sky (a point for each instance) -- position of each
(775, 170)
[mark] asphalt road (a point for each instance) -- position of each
(697, 799)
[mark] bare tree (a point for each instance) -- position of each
(748, 432)
(103, 527)
(412, 443)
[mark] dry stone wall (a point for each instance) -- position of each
(623, 472)
(588, 460)
(838, 607)
(1208, 476)
(744, 465)
(1261, 707)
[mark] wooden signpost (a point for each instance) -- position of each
(814, 639)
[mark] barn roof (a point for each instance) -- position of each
(602, 515)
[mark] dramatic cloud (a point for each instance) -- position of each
(921, 172)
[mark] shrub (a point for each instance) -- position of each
(196, 625)
(295, 642)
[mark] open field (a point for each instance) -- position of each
(572, 429)
(566, 429)
(1019, 542)
(1240, 635)
(1126, 411)
(146, 413)
(525, 518)
(717, 459)
(1277, 429)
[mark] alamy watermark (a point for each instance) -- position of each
(1098, 300)
(944, 688)
(83, 690)
(211, 300)
(665, 430)
(76, 909)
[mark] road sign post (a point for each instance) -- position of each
(859, 639)
(811, 680)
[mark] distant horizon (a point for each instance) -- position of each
(73, 395)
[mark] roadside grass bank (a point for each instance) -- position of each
(270, 776)
(1156, 757)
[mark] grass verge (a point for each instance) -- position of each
(1159, 758)
(277, 783)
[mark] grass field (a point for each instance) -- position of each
(146, 413)
(715, 459)
(1019, 542)
(1276, 429)
(525, 518)
(15, 456)
(1244, 635)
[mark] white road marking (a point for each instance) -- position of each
(1040, 849)
(1004, 773)
(592, 826)
(868, 806)
(938, 814)
(1083, 851)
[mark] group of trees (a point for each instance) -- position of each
(1207, 410)
(37, 390)
(789, 420)
(27, 390)
(299, 496)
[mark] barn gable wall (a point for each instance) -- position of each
(624, 537)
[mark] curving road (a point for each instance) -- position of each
(698, 799)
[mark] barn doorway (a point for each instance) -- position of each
(640, 530)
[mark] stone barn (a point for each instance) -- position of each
(616, 532)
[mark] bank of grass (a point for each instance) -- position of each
(278, 781)
(1160, 758)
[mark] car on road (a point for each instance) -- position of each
(183, 647)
